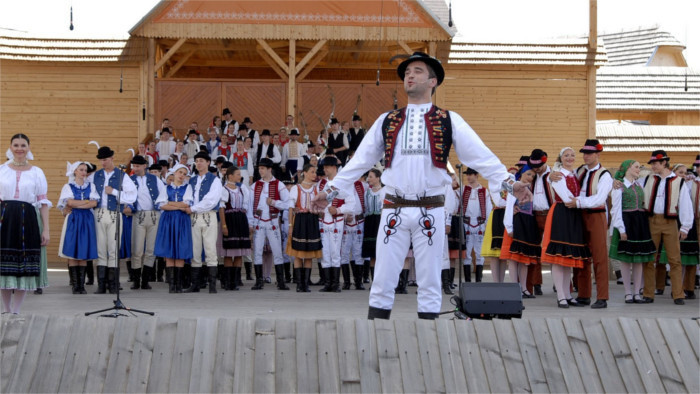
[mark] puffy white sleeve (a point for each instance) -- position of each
(616, 211)
(66, 194)
(93, 192)
(508, 216)
(41, 189)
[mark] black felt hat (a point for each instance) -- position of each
(356, 117)
(591, 146)
(265, 132)
(329, 160)
(471, 171)
(658, 155)
(265, 162)
(156, 167)
(202, 155)
(537, 158)
(334, 121)
(247, 120)
(104, 153)
(522, 161)
(294, 131)
(226, 112)
(434, 63)
(138, 159)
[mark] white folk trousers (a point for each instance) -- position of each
(269, 230)
(106, 223)
(332, 242)
(144, 228)
(205, 230)
(352, 243)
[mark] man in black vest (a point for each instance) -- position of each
(356, 133)
(415, 142)
(338, 144)
(267, 150)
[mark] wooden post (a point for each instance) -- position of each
(292, 81)
(591, 67)
(151, 87)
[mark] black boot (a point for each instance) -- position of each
(452, 277)
(248, 275)
(618, 276)
(171, 276)
(225, 274)
(479, 273)
(212, 280)
(357, 275)
(73, 273)
(378, 313)
(129, 271)
(365, 272)
(279, 271)
(177, 272)
(288, 272)
(234, 278)
(321, 276)
(70, 277)
(136, 278)
(427, 315)
(81, 279)
(345, 268)
(295, 276)
(468, 273)
(259, 281)
(403, 280)
(445, 276)
(326, 275)
(160, 267)
(147, 275)
(111, 285)
(306, 274)
(90, 273)
(371, 271)
(203, 277)
(194, 279)
(335, 279)
(101, 279)
(300, 283)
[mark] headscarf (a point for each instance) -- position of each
(620, 174)
(70, 169)
(561, 152)
(177, 167)
(522, 171)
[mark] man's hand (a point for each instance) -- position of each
(187, 210)
(333, 210)
(555, 176)
(127, 211)
(617, 184)
(623, 237)
(448, 229)
(109, 189)
(682, 236)
(270, 201)
(319, 202)
(522, 192)
(571, 204)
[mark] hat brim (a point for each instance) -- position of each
(589, 151)
(107, 156)
(433, 63)
(661, 159)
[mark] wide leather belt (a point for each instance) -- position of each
(391, 201)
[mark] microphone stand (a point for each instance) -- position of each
(118, 304)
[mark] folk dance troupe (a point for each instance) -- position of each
(230, 200)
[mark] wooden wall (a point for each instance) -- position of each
(678, 118)
(62, 106)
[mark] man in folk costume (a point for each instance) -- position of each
(338, 144)
(541, 201)
(475, 206)
(150, 195)
(668, 201)
(596, 184)
(356, 133)
(229, 126)
(252, 133)
(107, 213)
(416, 142)
(332, 223)
(352, 239)
(206, 191)
(270, 196)
(293, 155)
(166, 146)
(690, 278)
(267, 150)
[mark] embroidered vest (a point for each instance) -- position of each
(176, 193)
(439, 134)
(240, 160)
(548, 190)
(273, 192)
(322, 184)
(204, 188)
(373, 203)
(360, 189)
(572, 184)
(673, 191)
(591, 184)
(309, 195)
(633, 198)
(152, 184)
(99, 180)
(481, 194)
(80, 194)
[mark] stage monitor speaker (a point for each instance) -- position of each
(489, 300)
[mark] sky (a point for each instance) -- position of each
(487, 20)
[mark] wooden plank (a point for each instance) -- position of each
(142, 354)
(170, 53)
(512, 359)
(491, 356)
(309, 55)
(307, 358)
(328, 369)
(530, 357)
(271, 52)
(52, 356)
(162, 360)
(370, 380)
(602, 356)
(565, 355)
(623, 356)
(582, 354)
(225, 355)
(409, 355)
(430, 357)
(388, 352)
(27, 361)
(474, 371)
(245, 356)
(120, 356)
(285, 356)
(348, 359)
(203, 356)
(181, 367)
(98, 354)
(450, 357)
(643, 353)
(682, 353)
(76, 361)
(691, 330)
(548, 356)
(13, 338)
(264, 361)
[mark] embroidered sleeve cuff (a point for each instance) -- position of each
(508, 183)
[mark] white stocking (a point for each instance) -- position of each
(625, 270)
(6, 298)
(637, 274)
(558, 279)
(513, 271)
(17, 301)
(522, 276)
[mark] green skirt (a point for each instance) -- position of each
(636, 251)
(30, 282)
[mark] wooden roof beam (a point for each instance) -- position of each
(273, 55)
(263, 54)
(406, 48)
(179, 64)
(321, 54)
(310, 54)
(170, 53)
(356, 55)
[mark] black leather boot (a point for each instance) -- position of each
(428, 315)
(307, 279)
(147, 275)
(135, 278)
(365, 272)
(89, 269)
(111, 285)
(203, 277)
(378, 313)
(287, 272)
(248, 275)
(279, 272)
(467, 272)
(321, 276)
(177, 272)
(194, 279)
(452, 277)
(357, 275)
(81, 279)
(212, 280)
(326, 274)
(335, 279)
(445, 276)
(101, 279)
(170, 275)
(300, 282)
(129, 271)
(225, 274)
(160, 265)
(403, 280)
(234, 278)
(73, 273)
(345, 268)
(259, 280)
(479, 273)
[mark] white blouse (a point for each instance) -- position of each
(67, 193)
(29, 186)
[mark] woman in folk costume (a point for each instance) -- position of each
(374, 198)
(174, 238)
(243, 161)
(23, 191)
(236, 214)
(631, 242)
(563, 243)
(521, 241)
(79, 236)
(493, 237)
(304, 243)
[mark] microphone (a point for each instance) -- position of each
(121, 167)
(459, 166)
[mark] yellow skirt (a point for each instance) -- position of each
(486, 250)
